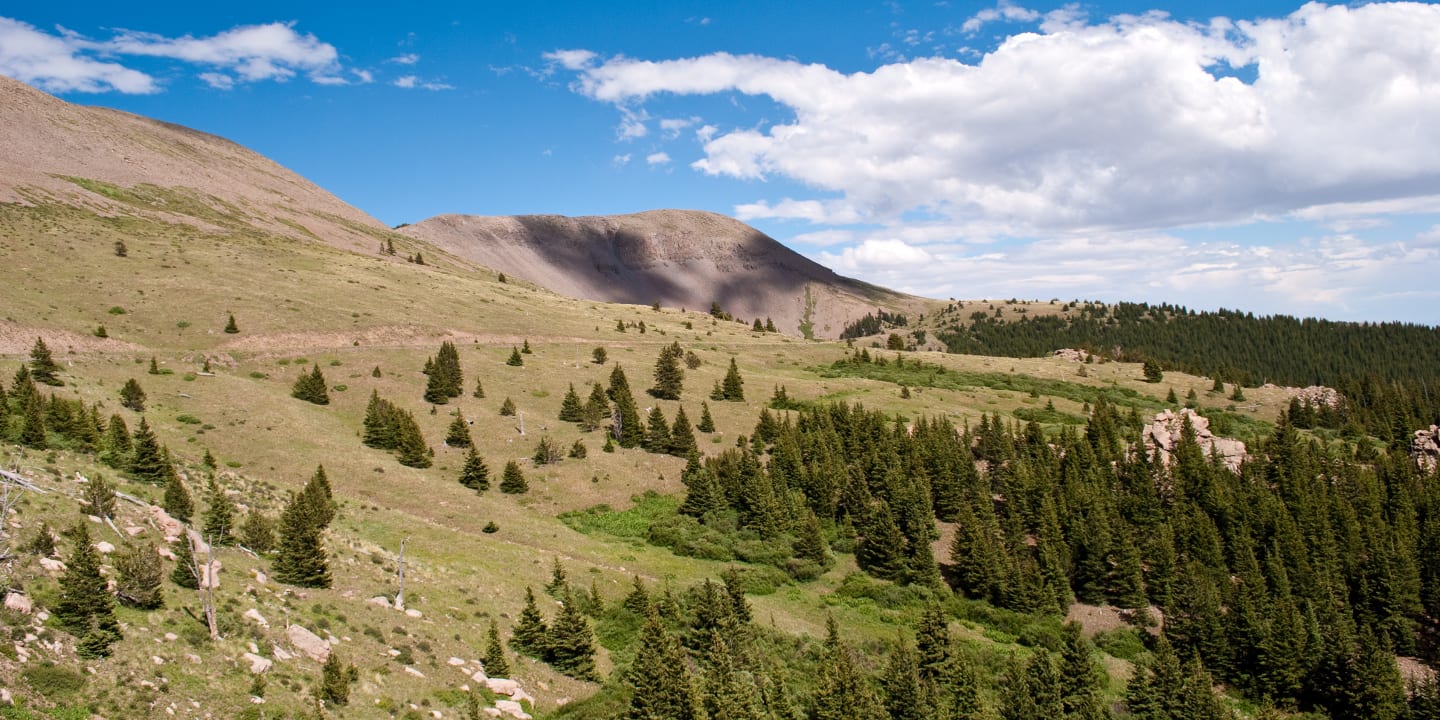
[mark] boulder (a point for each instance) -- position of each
(455, 662)
(502, 686)
(257, 664)
(1425, 448)
(104, 548)
(18, 602)
(254, 614)
(133, 530)
(412, 612)
(512, 708)
(379, 601)
(308, 643)
(479, 676)
(1162, 435)
(165, 552)
(414, 672)
(280, 653)
(168, 526)
(1072, 355)
(52, 565)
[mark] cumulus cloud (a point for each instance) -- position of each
(1005, 10)
(1136, 122)
(659, 158)
(405, 59)
(410, 82)
(68, 61)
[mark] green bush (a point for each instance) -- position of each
(51, 680)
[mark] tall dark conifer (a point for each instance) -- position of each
(301, 559)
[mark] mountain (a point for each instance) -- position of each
(115, 162)
(679, 258)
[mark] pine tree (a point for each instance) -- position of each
(311, 387)
(132, 396)
(43, 368)
(669, 378)
(459, 432)
(411, 450)
(733, 388)
(98, 498)
(559, 584)
(230, 326)
(183, 573)
(154, 366)
(707, 423)
(220, 524)
(177, 501)
(1082, 678)
(630, 433)
(545, 452)
(525, 347)
(727, 693)
(528, 636)
(447, 367)
(435, 386)
(770, 325)
(570, 408)
(905, 694)
(657, 432)
(596, 410)
(479, 390)
(319, 498)
(515, 359)
(578, 450)
(1153, 372)
(843, 692)
(571, 643)
(381, 430)
(335, 681)
(496, 665)
(513, 481)
(32, 424)
(659, 680)
(881, 549)
(301, 558)
(85, 608)
(810, 544)
(507, 408)
(475, 475)
(139, 573)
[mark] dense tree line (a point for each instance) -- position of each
(873, 324)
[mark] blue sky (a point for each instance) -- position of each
(1276, 157)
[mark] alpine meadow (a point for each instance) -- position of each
(263, 455)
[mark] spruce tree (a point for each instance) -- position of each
(707, 423)
(659, 680)
(183, 573)
(733, 388)
(513, 481)
(98, 498)
(258, 532)
(596, 410)
(630, 433)
(843, 691)
(570, 408)
(507, 408)
(703, 493)
(528, 636)
(32, 424)
(727, 692)
(1082, 678)
(479, 390)
(810, 544)
(230, 327)
(669, 378)
(380, 429)
(43, 368)
(657, 432)
(447, 366)
(571, 643)
(475, 475)
(220, 523)
(139, 573)
(682, 436)
(559, 584)
(496, 665)
(300, 559)
(85, 608)
(905, 694)
(435, 386)
(177, 501)
(515, 360)
(881, 549)
(335, 681)
(411, 449)
(311, 387)
(132, 396)
(459, 432)
(154, 366)
(319, 498)
(525, 347)
(545, 452)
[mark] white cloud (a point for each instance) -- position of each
(58, 64)
(621, 160)
(364, 77)
(68, 61)
(405, 59)
(571, 59)
(814, 211)
(1107, 126)
(405, 81)
(409, 82)
(672, 127)
(658, 158)
(1005, 10)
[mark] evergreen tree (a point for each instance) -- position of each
(578, 450)
(85, 608)
(177, 501)
(32, 424)
(300, 559)
(669, 378)
(43, 368)
(459, 432)
(559, 584)
(475, 475)
(707, 423)
(638, 600)
(843, 692)
(319, 499)
(447, 368)
(154, 366)
(599, 355)
(881, 549)
(132, 396)
(733, 389)
(1153, 372)
(230, 326)
(727, 693)
(98, 498)
(507, 408)
(515, 359)
(381, 427)
(258, 532)
(435, 385)
(906, 696)
(629, 433)
(412, 450)
(220, 524)
(597, 409)
(570, 408)
(495, 662)
(657, 432)
(810, 543)
(1082, 678)
(571, 643)
(528, 636)
(311, 387)
(139, 572)
(513, 481)
(335, 681)
(545, 452)
(682, 437)
(525, 347)
(479, 390)
(184, 572)
(659, 679)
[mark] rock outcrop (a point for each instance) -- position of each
(1425, 448)
(1072, 354)
(308, 643)
(1162, 435)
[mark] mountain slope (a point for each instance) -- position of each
(680, 258)
(49, 147)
